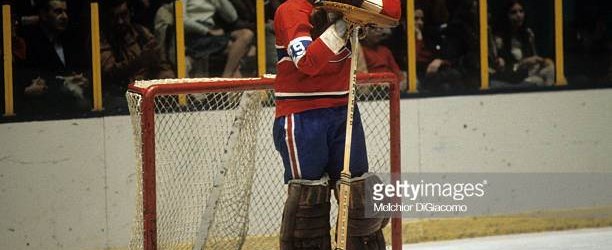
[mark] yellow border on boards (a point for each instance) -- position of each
(559, 57)
(95, 57)
(412, 75)
(8, 60)
(261, 38)
(180, 40)
(181, 69)
(484, 44)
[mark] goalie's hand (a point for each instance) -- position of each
(341, 28)
(336, 35)
(339, 24)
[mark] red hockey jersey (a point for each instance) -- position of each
(311, 74)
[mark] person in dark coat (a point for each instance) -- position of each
(54, 77)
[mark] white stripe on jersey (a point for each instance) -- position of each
(294, 94)
(348, 54)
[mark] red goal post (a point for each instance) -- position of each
(210, 175)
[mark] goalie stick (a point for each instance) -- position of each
(345, 176)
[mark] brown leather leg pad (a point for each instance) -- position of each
(305, 222)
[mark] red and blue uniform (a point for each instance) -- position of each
(311, 74)
(311, 92)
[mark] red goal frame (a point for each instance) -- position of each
(147, 124)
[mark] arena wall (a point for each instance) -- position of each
(69, 184)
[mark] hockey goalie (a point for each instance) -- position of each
(316, 117)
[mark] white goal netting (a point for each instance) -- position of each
(218, 181)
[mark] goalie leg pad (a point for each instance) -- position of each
(363, 233)
(305, 223)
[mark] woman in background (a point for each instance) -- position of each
(520, 62)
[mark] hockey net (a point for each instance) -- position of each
(208, 175)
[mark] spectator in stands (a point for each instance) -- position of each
(27, 13)
(53, 78)
(247, 17)
(424, 56)
(516, 43)
(247, 14)
(206, 37)
(165, 31)
(129, 52)
(377, 57)
(455, 63)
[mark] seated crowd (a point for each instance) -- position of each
(52, 56)
(448, 53)
(52, 48)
